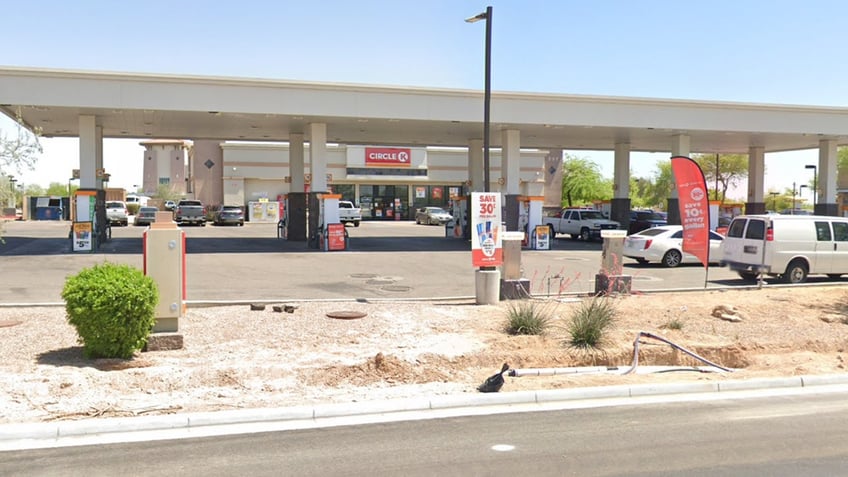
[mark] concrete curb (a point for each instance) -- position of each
(53, 431)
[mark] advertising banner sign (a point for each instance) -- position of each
(694, 207)
(335, 236)
(82, 236)
(486, 245)
(388, 157)
(541, 237)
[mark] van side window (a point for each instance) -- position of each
(756, 230)
(823, 232)
(840, 231)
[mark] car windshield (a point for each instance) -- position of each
(230, 208)
(148, 210)
(114, 205)
(436, 210)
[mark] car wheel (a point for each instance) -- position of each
(749, 277)
(356, 224)
(585, 235)
(796, 272)
(672, 258)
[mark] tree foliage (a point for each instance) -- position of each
(582, 182)
(731, 169)
(18, 152)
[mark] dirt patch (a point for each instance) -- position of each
(236, 358)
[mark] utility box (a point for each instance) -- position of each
(610, 279)
(164, 262)
(513, 286)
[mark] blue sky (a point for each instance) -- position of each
(774, 51)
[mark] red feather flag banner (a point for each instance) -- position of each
(694, 207)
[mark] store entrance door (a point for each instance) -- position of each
(384, 202)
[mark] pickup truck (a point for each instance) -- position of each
(349, 214)
(579, 223)
(190, 212)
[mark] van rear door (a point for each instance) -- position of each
(744, 248)
(821, 261)
(839, 263)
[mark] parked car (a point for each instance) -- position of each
(116, 213)
(229, 214)
(644, 219)
(664, 244)
(146, 216)
(170, 204)
(190, 212)
(432, 216)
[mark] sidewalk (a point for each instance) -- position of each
(194, 425)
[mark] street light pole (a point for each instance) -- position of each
(487, 95)
(793, 199)
(815, 186)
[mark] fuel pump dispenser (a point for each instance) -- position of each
(538, 233)
(457, 227)
(333, 233)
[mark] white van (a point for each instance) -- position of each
(141, 200)
(786, 246)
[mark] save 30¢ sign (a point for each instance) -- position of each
(486, 233)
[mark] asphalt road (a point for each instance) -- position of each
(386, 260)
(775, 436)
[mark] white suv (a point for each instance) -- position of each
(116, 212)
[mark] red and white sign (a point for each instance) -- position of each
(388, 157)
(486, 244)
(694, 207)
(335, 237)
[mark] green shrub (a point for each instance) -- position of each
(132, 209)
(112, 308)
(589, 323)
(527, 318)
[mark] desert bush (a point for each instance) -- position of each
(589, 322)
(527, 318)
(112, 308)
(673, 324)
(132, 209)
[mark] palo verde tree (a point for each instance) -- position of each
(582, 181)
(18, 152)
(726, 172)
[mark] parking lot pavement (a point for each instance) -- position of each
(386, 260)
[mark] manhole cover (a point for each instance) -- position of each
(363, 275)
(379, 281)
(6, 324)
(346, 315)
(396, 288)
